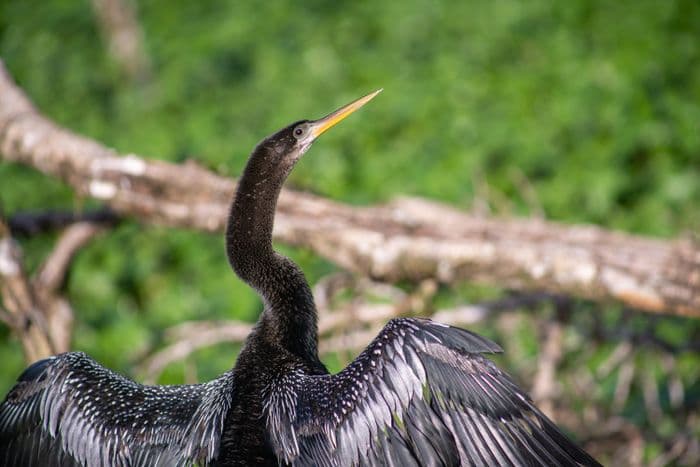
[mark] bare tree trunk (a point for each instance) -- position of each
(408, 239)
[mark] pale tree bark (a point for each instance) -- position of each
(33, 307)
(20, 308)
(407, 239)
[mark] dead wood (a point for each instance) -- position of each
(407, 239)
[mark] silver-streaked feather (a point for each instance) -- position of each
(69, 410)
(421, 393)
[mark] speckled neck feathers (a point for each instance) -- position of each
(289, 318)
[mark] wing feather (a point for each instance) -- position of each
(422, 393)
(68, 410)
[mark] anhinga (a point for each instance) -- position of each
(421, 393)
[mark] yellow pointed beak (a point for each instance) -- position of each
(318, 127)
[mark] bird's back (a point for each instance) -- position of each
(262, 368)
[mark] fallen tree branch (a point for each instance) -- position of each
(33, 307)
(407, 239)
(54, 269)
(21, 309)
(188, 338)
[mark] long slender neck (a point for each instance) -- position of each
(290, 317)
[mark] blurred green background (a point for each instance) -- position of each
(585, 111)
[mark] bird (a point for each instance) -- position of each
(421, 393)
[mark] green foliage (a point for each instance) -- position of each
(593, 105)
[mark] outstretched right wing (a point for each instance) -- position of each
(420, 394)
(69, 410)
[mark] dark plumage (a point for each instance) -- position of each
(420, 394)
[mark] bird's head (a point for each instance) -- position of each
(291, 142)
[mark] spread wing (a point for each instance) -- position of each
(69, 410)
(420, 394)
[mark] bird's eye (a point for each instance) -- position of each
(298, 131)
